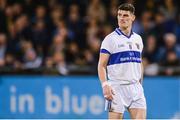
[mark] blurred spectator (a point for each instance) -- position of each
(22, 26)
(40, 37)
(58, 43)
(60, 63)
(106, 29)
(17, 9)
(150, 56)
(3, 19)
(150, 53)
(30, 58)
(145, 25)
(112, 14)
(96, 11)
(93, 54)
(9, 16)
(29, 7)
(75, 26)
(3, 47)
(10, 61)
(93, 30)
(162, 27)
(168, 9)
(56, 14)
(177, 28)
(57, 60)
(40, 14)
(170, 63)
(52, 4)
(3, 4)
(170, 45)
(73, 54)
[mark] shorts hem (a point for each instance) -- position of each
(139, 107)
(116, 111)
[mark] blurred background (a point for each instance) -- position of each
(60, 39)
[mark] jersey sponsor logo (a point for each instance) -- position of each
(131, 53)
(125, 57)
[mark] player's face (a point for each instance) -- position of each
(125, 19)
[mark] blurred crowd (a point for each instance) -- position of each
(64, 36)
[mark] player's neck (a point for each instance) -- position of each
(126, 31)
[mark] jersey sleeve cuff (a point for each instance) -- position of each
(104, 51)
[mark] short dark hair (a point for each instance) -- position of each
(127, 7)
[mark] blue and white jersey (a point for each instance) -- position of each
(125, 59)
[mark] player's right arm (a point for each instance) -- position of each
(107, 90)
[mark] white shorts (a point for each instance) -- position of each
(126, 96)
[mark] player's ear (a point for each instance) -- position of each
(133, 17)
(117, 14)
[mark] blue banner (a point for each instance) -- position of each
(78, 97)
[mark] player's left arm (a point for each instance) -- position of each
(142, 66)
(142, 73)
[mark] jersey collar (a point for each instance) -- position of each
(119, 32)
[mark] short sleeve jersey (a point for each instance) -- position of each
(125, 58)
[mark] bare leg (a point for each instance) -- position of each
(137, 113)
(114, 115)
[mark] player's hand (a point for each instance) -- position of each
(108, 92)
